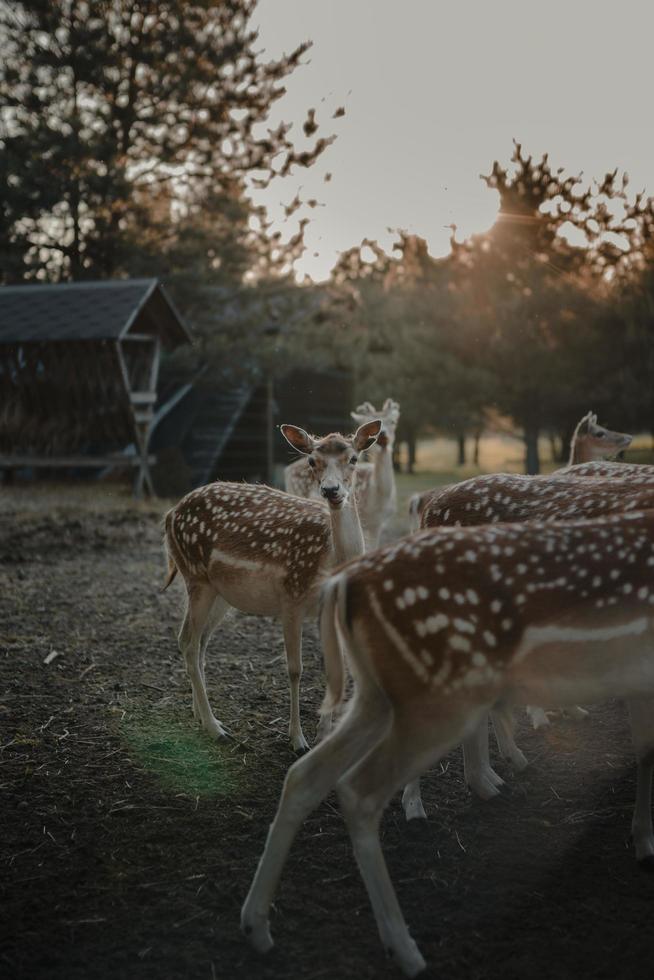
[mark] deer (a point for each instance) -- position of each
(375, 481)
(441, 628)
(264, 552)
(591, 441)
(516, 498)
(590, 444)
(378, 495)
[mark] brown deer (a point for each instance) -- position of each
(440, 629)
(265, 553)
(507, 498)
(590, 444)
(591, 441)
(375, 481)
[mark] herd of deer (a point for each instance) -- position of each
(510, 591)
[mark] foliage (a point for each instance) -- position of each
(544, 316)
(128, 130)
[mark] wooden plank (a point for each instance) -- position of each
(51, 462)
(142, 476)
(143, 397)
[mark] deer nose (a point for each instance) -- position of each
(330, 492)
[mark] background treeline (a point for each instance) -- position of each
(130, 135)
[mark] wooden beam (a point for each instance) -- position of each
(143, 397)
(141, 432)
(89, 462)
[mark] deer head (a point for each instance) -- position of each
(334, 457)
(389, 415)
(598, 442)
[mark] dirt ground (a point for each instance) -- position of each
(129, 840)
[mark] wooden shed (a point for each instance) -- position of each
(79, 364)
(206, 430)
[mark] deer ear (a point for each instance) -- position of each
(391, 410)
(366, 435)
(298, 438)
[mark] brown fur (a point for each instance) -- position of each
(249, 522)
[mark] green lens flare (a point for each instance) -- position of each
(182, 760)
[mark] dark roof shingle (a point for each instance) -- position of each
(85, 311)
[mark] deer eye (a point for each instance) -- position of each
(312, 461)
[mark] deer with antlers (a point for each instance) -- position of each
(590, 444)
(440, 629)
(264, 552)
(375, 481)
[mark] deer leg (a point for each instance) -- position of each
(292, 626)
(641, 717)
(575, 713)
(214, 619)
(537, 717)
(412, 801)
(185, 637)
(307, 783)
(405, 751)
(478, 772)
(503, 725)
(202, 603)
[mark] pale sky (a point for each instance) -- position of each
(434, 91)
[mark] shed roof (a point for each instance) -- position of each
(102, 310)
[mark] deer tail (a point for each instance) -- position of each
(170, 545)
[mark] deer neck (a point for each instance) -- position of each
(384, 475)
(346, 531)
(580, 452)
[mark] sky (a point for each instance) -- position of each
(434, 91)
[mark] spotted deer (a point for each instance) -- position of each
(590, 445)
(440, 629)
(265, 553)
(504, 497)
(375, 481)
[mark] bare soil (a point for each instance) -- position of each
(129, 840)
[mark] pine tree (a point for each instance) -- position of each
(122, 120)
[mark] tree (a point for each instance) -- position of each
(412, 343)
(123, 121)
(538, 296)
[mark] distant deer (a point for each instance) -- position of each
(441, 628)
(375, 481)
(264, 552)
(589, 442)
(378, 496)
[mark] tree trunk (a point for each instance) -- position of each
(532, 462)
(461, 441)
(475, 456)
(411, 446)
